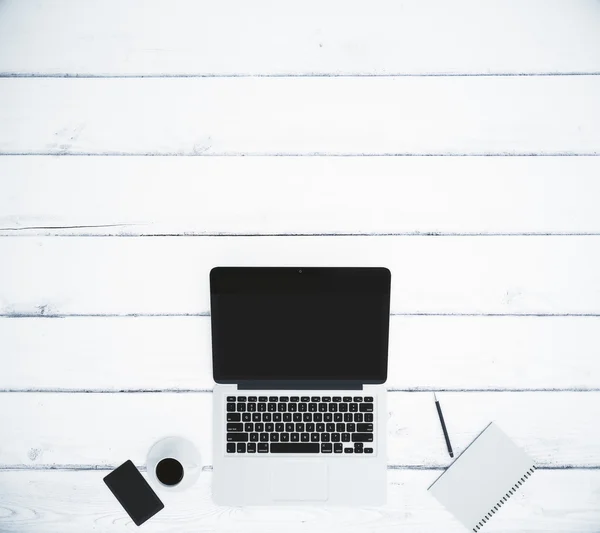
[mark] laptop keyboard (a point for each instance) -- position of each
(300, 424)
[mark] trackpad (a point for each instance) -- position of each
(297, 480)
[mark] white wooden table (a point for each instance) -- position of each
(456, 143)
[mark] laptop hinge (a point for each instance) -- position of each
(300, 385)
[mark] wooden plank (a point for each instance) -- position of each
(266, 195)
(174, 353)
(307, 116)
(65, 502)
(505, 275)
(352, 37)
(74, 429)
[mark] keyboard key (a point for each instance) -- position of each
(233, 417)
(287, 417)
(271, 407)
(330, 427)
(256, 417)
(335, 437)
(279, 427)
(362, 437)
(340, 427)
(274, 437)
(325, 437)
(366, 407)
(253, 437)
(295, 399)
(284, 437)
(241, 407)
(272, 398)
(231, 398)
(262, 407)
(326, 399)
(320, 427)
(295, 447)
(368, 450)
(302, 407)
(292, 407)
(241, 399)
(237, 437)
(369, 417)
(316, 399)
(354, 407)
(295, 437)
(368, 398)
(337, 398)
(307, 417)
(262, 399)
(276, 417)
(251, 447)
(348, 417)
(312, 407)
(333, 407)
(347, 398)
(281, 407)
(314, 437)
(246, 417)
(304, 437)
(358, 399)
(235, 427)
(343, 407)
(322, 408)
(284, 399)
(326, 447)
(259, 426)
(317, 417)
(252, 398)
(297, 417)
(241, 447)
(300, 427)
(264, 437)
(351, 427)
(345, 437)
(267, 417)
(263, 447)
(361, 428)
(230, 407)
(310, 427)
(337, 417)
(248, 427)
(305, 399)
(338, 447)
(251, 407)
(231, 447)
(358, 417)
(289, 427)
(269, 427)
(348, 450)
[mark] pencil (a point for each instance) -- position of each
(439, 410)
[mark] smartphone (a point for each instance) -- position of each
(133, 493)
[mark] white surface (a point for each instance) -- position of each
(485, 476)
(55, 440)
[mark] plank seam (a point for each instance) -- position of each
(301, 154)
(42, 314)
(71, 75)
(209, 468)
(201, 390)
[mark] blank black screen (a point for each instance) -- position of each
(300, 324)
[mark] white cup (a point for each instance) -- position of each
(173, 464)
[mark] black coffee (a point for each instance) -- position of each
(169, 471)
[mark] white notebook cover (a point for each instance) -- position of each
(483, 478)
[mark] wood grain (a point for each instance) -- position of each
(174, 353)
(352, 37)
(49, 430)
(298, 195)
(71, 502)
(305, 116)
(504, 275)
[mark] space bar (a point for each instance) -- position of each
(294, 447)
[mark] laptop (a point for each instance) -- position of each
(299, 358)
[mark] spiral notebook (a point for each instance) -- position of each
(483, 478)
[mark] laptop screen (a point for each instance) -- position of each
(300, 324)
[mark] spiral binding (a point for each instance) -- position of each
(504, 499)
